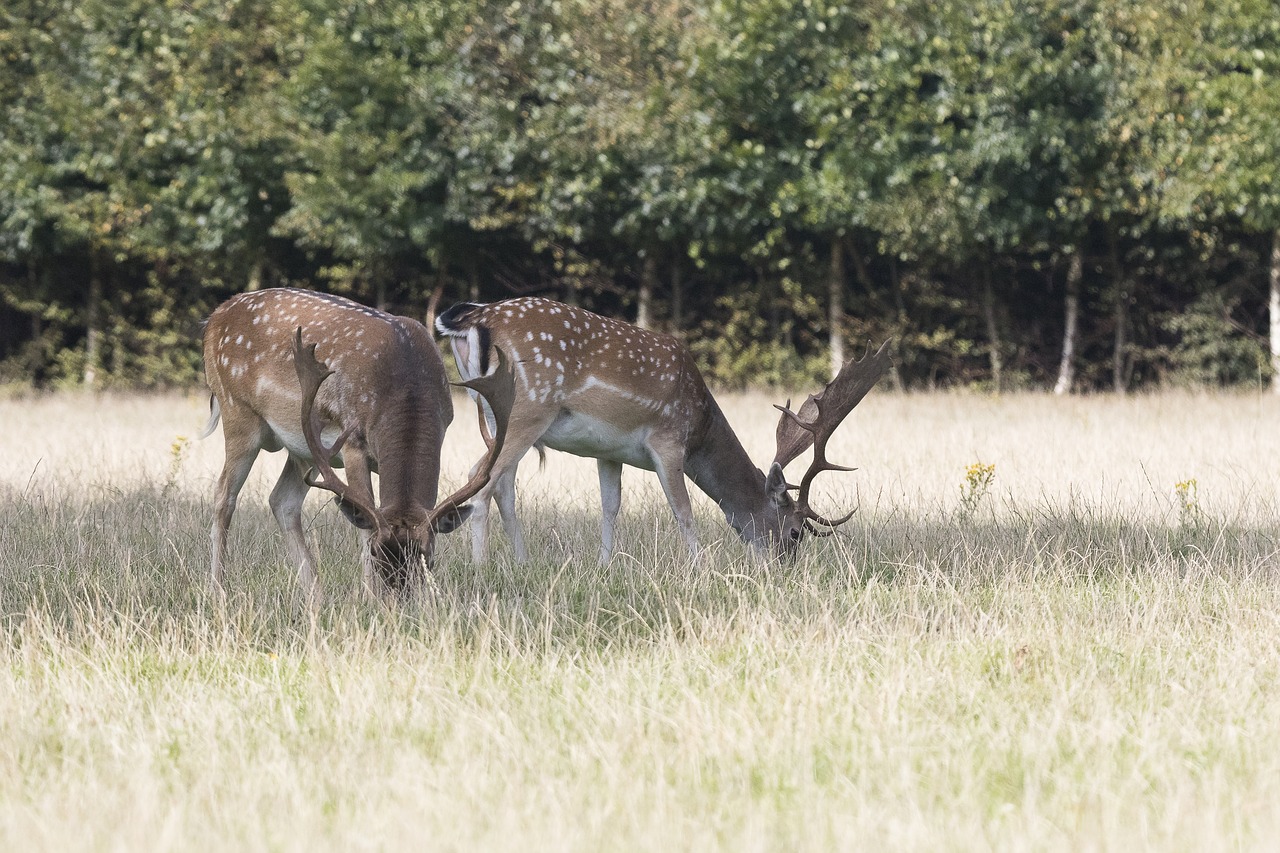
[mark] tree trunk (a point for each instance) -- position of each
(994, 343)
(380, 294)
(1274, 305)
(861, 274)
(473, 273)
(835, 306)
(256, 273)
(437, 293)
(900, 304)
(765, 287)
(37, 284)
(1119, 358)
(644, 298)
(93, 324)
(1120, 318)
(1071, 334)
(117, 347)
(677, 300)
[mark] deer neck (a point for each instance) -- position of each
(409, 486)
(406, 444)
(719, 465)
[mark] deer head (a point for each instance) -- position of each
(812, 426)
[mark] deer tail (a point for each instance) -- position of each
(215, 415)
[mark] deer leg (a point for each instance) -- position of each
(670, 468)
(480, 528)
(504, 494)
(523, 431)
(356, 463)
(370, 576)
(242, 445)
(286, 505)
(480, 518)
(610, 503)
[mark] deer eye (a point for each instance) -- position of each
(794, 533)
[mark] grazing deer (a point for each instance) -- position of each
(387, 402)
(597, 387)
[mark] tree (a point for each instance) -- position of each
(1230, 102)
(368, 106)
(131, 161)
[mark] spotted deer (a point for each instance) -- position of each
(601, 388)
(374, 399)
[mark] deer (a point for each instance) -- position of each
(598, 387)
(379, 402)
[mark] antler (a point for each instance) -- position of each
(499, 390)
(311, 373)
(818, 419)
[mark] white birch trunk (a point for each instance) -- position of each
(93, 325)
(1274, 310)
(644, 299)
(993, 330)
(835, 307)
(1070, 336)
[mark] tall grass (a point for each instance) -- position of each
(1068, 658)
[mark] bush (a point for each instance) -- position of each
(740, 351)
(1211, 349)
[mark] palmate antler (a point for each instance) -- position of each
(818, 419)
(311, 373)
(499, 390)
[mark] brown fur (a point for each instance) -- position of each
(388, 387)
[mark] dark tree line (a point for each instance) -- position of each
(1070, 194)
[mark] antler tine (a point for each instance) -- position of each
(499, 390)
(813, 517)
(809, 525)
(311, 373)
(795, 431)
(816, 467)
(818, 419)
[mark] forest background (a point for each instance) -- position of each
(1065, 194)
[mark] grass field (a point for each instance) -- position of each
(1081, 653)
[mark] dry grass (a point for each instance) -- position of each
(1080, 655)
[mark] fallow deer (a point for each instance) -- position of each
(601, 388)
(387, 402)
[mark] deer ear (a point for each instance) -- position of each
(354, 514)
(452, 520)
(775, 486)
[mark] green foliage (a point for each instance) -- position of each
(741, 353)
(1210, 349)
(167, 154)
(1229, 77)
(366, 106)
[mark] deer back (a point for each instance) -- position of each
(565, 356)
(388, 388)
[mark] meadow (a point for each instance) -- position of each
(1054, 624)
